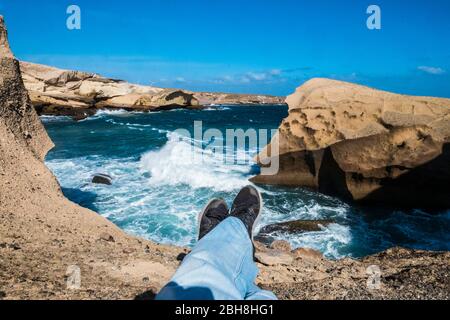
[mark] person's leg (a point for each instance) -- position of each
(220, 266)
(256, 293)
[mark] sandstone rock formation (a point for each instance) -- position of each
(44, 237)
(42, 233)
(78, 94)
(17, 114)
(209, 98)
(365, 145)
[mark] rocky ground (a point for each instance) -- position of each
(403, 274)
(45, 238)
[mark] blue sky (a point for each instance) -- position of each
(248, 46)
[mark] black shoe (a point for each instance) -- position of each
(214, 212)
(247, 207)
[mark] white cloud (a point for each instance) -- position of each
(344, 77)
(431, 70)
(269, 76)
(275, 72)
(261, 76)
(180, 79)
(258, 76)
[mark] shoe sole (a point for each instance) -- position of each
(201, 214)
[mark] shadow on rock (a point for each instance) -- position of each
(83, 198)
(147, 295)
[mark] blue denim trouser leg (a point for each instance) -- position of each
(220, 267)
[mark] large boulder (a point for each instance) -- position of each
(164, 99)
(364, 144)
(105, 88)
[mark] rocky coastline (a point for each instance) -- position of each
(78, 94)
(43, 236)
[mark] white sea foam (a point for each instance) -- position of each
(159, 196)
(181, 161)
(216, 108)
(49, 118)
(329, 241)
(112, 112)
(103, 113)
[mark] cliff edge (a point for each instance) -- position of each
(365, 145)
(42, 233)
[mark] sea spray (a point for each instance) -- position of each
(162, 205)
(183, 162)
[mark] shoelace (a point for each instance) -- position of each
(244, 208)
(216, 214)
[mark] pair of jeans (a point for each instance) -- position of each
(220, 267)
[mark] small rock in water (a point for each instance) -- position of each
(102, 178)
(296, 226)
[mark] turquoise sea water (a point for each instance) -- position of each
(158, 191)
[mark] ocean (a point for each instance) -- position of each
(158, 190)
